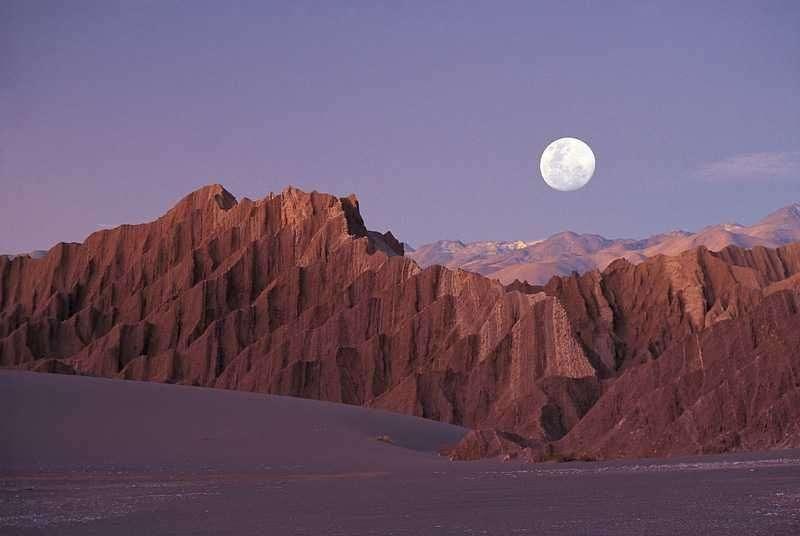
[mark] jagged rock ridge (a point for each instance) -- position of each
(292, 294)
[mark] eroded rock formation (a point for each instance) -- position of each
(293, 295)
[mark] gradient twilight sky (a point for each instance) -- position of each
(433, 113)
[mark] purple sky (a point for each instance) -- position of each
(434, 115)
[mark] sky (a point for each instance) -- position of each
(433, 113)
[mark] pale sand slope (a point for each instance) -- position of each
(57, 422)
(92, 456)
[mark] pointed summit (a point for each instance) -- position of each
(786, 216)
(209, 199)
(203, 197)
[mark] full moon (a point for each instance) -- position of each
(567, 164)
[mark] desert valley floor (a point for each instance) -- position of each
(98, 456)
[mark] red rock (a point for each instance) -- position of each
(293, 295)
(734, 386)
(479, 444)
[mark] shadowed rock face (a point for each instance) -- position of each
(705, 353)
(291, 294)
(734, 386)
(630, 313)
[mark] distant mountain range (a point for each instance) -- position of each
(36, 254)
(567, 252)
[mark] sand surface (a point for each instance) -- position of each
(93, 456)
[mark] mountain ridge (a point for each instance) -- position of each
(565, 252)
(292, 294)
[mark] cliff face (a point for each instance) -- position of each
(293, 295)
(704, 349)
(631, 314)
(734, 386)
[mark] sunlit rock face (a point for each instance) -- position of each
(292, 294)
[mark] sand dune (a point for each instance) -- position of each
(85, 456)
(54, 422)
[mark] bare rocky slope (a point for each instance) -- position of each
(291, 294)
(567, 252)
